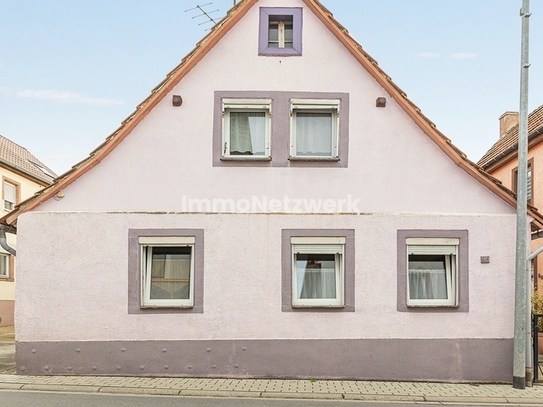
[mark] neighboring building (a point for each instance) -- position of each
(501, 162)
(22, 176)
(305, 220)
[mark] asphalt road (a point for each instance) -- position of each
(50, 399)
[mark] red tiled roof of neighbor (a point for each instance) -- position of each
(509, 141)
(19, 159)
(199, 52)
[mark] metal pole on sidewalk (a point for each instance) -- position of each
(521, 324)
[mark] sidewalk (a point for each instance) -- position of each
(273, 388)
(270, 388)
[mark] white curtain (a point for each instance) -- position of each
(428, 279)
(313, 134)
(247, 133)
(316, 282)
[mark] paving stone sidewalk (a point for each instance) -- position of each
(270, 388)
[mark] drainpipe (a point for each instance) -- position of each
(3, 240)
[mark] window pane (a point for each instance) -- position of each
(10, 193)
(428, 276)
(3, 265)
(316, 275)
(314, 134)
(288, 35)
(273, 35)
(170, 273)
(247, 133)
(529, 185)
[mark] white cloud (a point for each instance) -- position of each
(428, 55)
(463, 55)
(59, 96)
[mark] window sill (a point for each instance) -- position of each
(167, 306)
(431, 306)
(333, 159)
(245, 158)
(280, 52)
(318, 306)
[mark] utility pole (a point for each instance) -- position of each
(521, 276)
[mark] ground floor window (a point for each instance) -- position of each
(317, 270)
(165, 270)
(433, 271)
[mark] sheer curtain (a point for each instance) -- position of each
(316, 276)
(313, 134)
(247, 133)
(428, 277)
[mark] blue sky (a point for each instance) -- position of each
(72, 70)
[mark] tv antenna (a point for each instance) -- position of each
(204, 13)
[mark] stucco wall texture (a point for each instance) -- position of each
(83, 279)
(73, 252)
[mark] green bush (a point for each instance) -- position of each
(537, 307)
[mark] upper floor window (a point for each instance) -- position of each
(280, 31)
(280, 34)
(4, 265)
(529, 181)
(314, 129)
(10, 192)
(246, 128)
(280, 129)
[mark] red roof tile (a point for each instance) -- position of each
(509, 141)
(20, 159)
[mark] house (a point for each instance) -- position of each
(305, 220)
(22, 176)
(501, 161)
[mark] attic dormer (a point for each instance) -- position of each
(280, 31)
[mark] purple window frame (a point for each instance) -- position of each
(462, 272)
(348, 265)
(134, 271)
(268, 14)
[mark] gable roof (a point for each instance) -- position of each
(509, 142)
(199, 52)
(19, 159)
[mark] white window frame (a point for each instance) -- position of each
(245, 105)
(4, 257)
(315, 106)
(8, 204)
(147, 243)
(319, 245)
(281, 33)
(448, 247)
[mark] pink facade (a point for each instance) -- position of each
(389, 183)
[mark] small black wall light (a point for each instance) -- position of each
(177, 100)
(381, 102)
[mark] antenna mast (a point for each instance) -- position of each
(204, 13)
